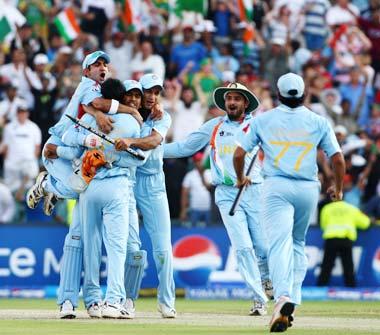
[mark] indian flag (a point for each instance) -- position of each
(246, 15)
(67, 25)
(246, 10)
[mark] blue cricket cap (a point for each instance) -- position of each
(93, 57)
(150, 80)
(132, 84)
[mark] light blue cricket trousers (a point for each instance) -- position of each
(134, 242)
(247, 235)
(60, 171)
(288, 206)
(71, 266)
(104, 208)
(150, 193)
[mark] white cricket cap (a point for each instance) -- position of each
(65, 50)
(291, 85)
(41, 59)
(339, 129)
(132, 84)
(150, 80)
(278, 40)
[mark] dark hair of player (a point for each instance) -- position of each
(113, 89)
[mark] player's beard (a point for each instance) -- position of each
(236, 115)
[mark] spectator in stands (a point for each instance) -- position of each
(7, 204)
(15, 72)
(373, 125)
(222, 16)
(21, 148)
(145, 61)
(274, 61)
(225, 61)
(120, 50)
(370, 177)
(204, 83)
(343, 12)
(9, 103)
(339, 222)
(315, 29)
(247, 52)
(55, 43)
(206, 28)
(189, 53)
(189, 115)
(24, 40)
(371, 27)
(195, 194)
(359, 96)
(97, 17)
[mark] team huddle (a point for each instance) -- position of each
(112, 178)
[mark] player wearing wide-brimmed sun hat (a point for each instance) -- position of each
(244, 229)
(220, 94)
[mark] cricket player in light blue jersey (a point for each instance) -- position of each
(57, 161)
(105, 212)
(245, 230)
(136, 258)
(290, 136)
(150, 191)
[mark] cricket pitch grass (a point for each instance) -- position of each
(33, 316)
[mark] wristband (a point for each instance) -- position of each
(114, 107)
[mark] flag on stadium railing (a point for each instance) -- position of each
(246, 16)
(5, 28)
(67, 25)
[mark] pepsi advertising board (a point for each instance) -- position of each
(30, 258)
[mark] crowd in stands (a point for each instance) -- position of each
(334, 45)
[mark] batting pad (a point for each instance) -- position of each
(71, 269)
(134, 271)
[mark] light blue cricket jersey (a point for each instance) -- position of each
(290, 139)
(124, 126)
(155, 162)
(220, 133)
(85, 93)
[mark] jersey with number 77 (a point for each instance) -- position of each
(290, 138)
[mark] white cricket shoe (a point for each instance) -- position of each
(49, 203)
(36, 192)
(95, 310)
(258, 308)
(67, 310)
(282, 312)
(113, 311)
(167, 312)
(130, 308)
(268, 289)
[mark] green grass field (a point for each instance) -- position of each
(27, 317)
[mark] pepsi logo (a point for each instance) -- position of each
(195, 257)
(376, 265)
